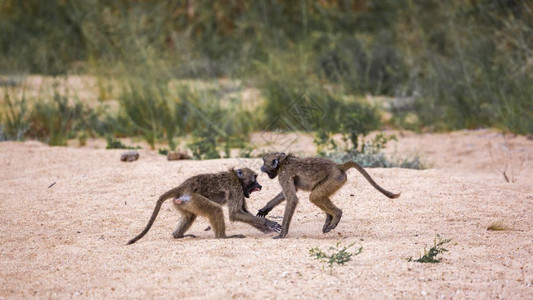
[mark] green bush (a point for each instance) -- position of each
(463, 64)
(204, 144)
(58, 119)
(368, 154)
(377, 68)
(472, 72)
(14, 118)
(146, 110)
(113, 143)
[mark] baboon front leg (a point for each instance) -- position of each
(289, 193)
(271, 204)
(184, 224)
(262, 224)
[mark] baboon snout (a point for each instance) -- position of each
(256, 187)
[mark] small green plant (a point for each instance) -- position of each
(430, 256)
(338, 255)
(162, 151)
(113, 143)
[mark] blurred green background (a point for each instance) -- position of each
(164, 69)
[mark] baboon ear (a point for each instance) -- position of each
(239, 173)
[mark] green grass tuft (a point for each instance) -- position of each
(337, 255)
(431, 255)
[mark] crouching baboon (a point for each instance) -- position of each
(204, 195)
(319, 175)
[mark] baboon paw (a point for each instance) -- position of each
(332, 224)
(329, 228)
(325, 227)
(274, 227)
(236, 236)
(281, 236)
(327, 224)
(182, 236)
(262, 212)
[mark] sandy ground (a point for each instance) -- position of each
(69, 240)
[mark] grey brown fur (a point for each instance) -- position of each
(319, 175)
(204, 195)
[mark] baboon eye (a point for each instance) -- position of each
(275, 163)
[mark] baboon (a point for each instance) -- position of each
(205, 194)
(319, 175)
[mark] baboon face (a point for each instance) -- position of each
(248, 179)
(271, 163)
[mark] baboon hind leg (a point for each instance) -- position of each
(263, 224)
(187, 218)
(320, 197)
(213, 211)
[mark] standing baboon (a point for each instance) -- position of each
(205, 194)
(319, 175)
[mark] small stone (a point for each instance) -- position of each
(130, 155)
(177, 156)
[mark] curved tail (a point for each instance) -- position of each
(172, 193)
(352, 164)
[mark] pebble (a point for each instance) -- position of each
(129, 156)
(177, 156)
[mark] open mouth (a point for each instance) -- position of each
(255, 189)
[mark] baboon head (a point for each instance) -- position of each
(248, 179)
(271, 163)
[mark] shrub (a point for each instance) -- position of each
(337, 255)
(430, 256)
(113, 143)
(204, 144)
(56, 120)
(14, 118)
(146, 110)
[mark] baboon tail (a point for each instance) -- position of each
(172, 193)
(352, 164)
